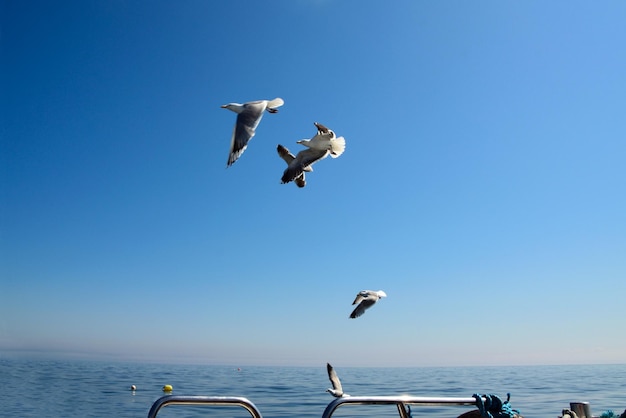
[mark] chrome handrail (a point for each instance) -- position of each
(204, 400)
(399, 401)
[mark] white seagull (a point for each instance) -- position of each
(284, 153)
(323, 144)
(248, 117)
(337, 390)
(365, 299)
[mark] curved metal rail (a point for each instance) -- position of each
(399, 401)
(204, 400)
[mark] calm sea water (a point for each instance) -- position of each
(98, 389)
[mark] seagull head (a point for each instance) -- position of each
(320, 127)
(322, 130)
(235, 107)
(381, 294)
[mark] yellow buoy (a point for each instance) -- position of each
(167, 388)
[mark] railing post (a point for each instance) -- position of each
(582, 409)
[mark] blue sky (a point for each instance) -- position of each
(482, 185)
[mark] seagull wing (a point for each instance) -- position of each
(303, 160)
(307, 157)
(361, 307)
(285, 154)
(289, 157)
(360, 296)
(245, 126)
(334, 380)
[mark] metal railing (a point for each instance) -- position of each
(204, 400)
(400, 401)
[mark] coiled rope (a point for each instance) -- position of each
(493, 407)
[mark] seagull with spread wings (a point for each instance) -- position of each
(366, 299)
(248, 117)
(337, 390)
(323, 144)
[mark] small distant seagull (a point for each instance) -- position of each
(365, 299)
(248, 117)
(337, 390)
(323, 144)
(289, 157)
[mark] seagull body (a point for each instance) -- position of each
(365, 299)
(323, 144)
(337, 390)
(284, 153)
(248, 117)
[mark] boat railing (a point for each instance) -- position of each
(401, 402)
(582, 409)
(204, 400)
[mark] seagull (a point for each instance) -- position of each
(289, 157)
(365, 299)
(337, 390)
(248, 117)
(323, 144)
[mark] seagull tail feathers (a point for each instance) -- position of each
(337, 146)
(277, 102)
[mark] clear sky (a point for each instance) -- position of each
(482, 186)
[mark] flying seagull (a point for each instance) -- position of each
(323, 144)
(365, 299)
(248, 117)
(289, 157)
(337, 390)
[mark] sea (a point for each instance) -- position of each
(68, 388)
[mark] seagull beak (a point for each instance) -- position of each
(224, 106)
